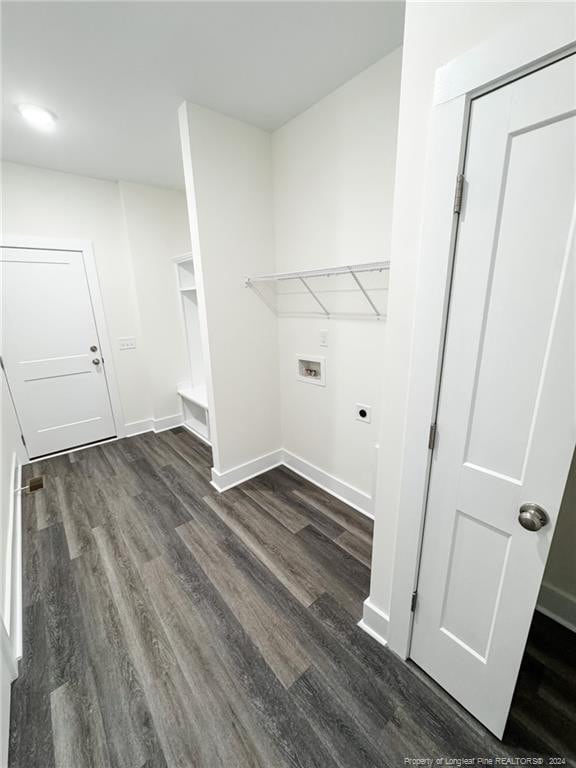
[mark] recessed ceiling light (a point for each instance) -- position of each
(38, 117)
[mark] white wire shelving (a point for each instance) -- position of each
(344, 286)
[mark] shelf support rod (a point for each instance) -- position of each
(316, 299)
(368, 299)
(265, 299)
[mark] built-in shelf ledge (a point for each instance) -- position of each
(191, 289)
(194, 395)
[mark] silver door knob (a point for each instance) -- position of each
(533, 517)
(93, 348)
(96, 361)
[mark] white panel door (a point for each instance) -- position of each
(506, 418)
(57, 381)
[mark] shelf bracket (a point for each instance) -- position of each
(316, 299)
(262, 296)
(368, 299)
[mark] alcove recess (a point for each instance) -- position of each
(193, 391)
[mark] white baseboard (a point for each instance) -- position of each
(8, 575)
(7, 660)
(17, 618)
(223, 481)
(152, 425)
(12, 608)
(167, 422)
(355, 498)
(374, 622)
(557, 604)
(197, 434)
(138, 427)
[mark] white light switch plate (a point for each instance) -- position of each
(126, 342)
(324, 338)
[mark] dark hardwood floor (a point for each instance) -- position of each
(544, 707)
(168, 625)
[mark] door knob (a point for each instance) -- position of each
(533, 517)
(93, 348)
(96, 361)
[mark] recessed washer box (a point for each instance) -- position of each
(311, 369)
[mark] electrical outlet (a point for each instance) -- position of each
(364, 412)
(126, 342)
(324, 338)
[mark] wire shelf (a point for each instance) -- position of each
(352, 291)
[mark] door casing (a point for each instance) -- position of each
(479, 71)
(85, 246)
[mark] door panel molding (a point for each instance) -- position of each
(85, 247)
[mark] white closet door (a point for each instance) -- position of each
(506, 420)
(57, 381)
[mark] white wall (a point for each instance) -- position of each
(435, 33)
(558, 593)
(134, 231)
(157, 230)
(333, 193)
(228, 171)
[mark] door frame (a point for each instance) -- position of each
(85, 247)
(506, 57)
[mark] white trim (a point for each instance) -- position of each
(6, 653)
(509, 54)
(167, 422)
(432, 294)
(85, 247)
(133, 428)
(197, 434)
(358, 500)
(198, 261)
(374, 622)
(479, 70)
(347, 493)
(11, 621)
(10, 576)
(557, 604)
(223, 481)
(77, 449)
(17, 617)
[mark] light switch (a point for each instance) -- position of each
(126, 342)
(324, 338)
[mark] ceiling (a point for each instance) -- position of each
(116, 72)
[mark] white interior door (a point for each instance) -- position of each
(506, 418)
(51, 351)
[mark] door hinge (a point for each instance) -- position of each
(413, 600)
(23, 441)
(432, 436)
(2, 364)
(458, 194)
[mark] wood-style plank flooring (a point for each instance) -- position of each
(167, 625)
